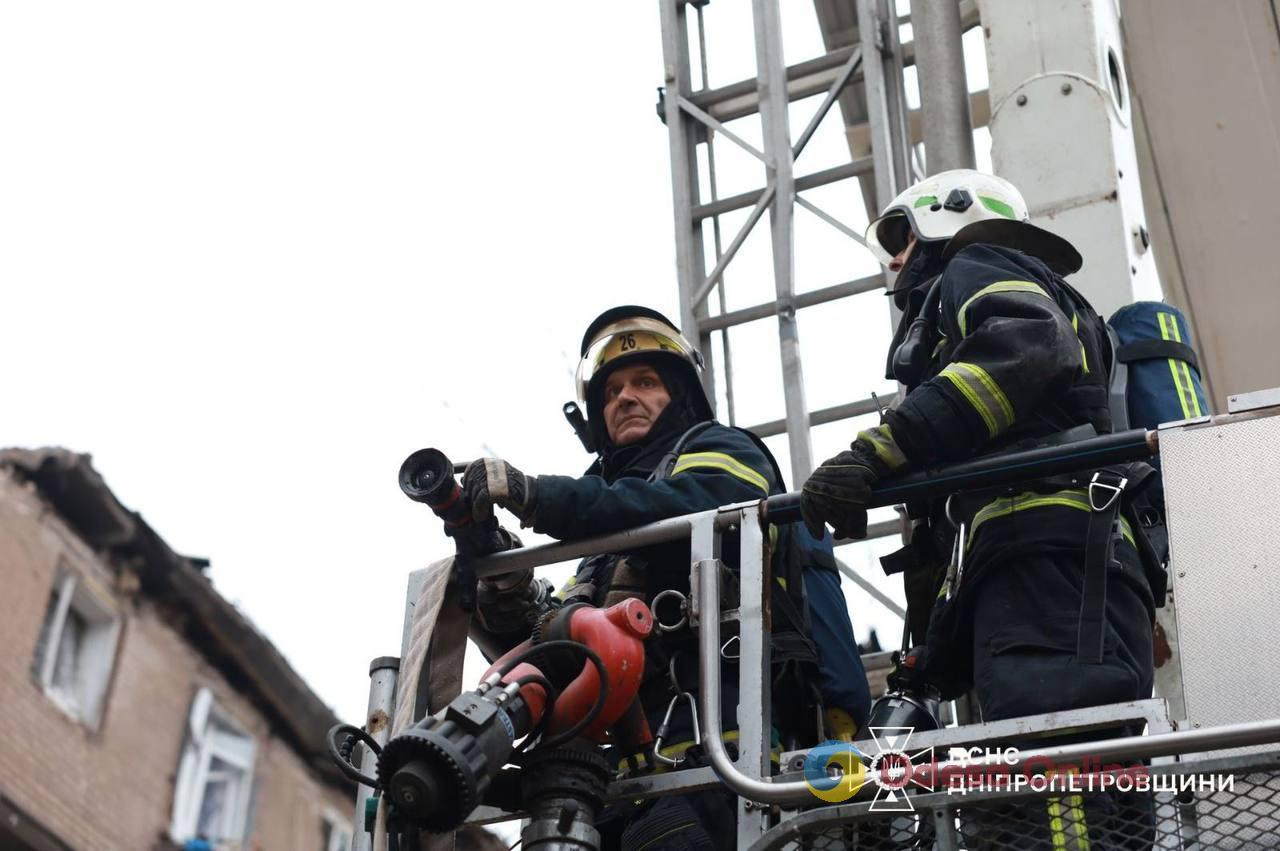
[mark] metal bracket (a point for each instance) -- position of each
(1241, 402)
(1194, 421)
(1096, 484)
(684, 610)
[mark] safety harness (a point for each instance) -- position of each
(1105, 489)
(1118, 499)
(793, 654)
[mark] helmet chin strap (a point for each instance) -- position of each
(925, 263)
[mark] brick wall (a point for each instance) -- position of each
(112, 787)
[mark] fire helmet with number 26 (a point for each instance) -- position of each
(632, 334)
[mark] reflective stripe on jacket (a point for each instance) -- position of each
(1014, 361)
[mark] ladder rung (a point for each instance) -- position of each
(799, 77)
(863, 165)
(809, 299)
(826, 415)
(808, 78)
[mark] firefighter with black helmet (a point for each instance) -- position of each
(660, 454)
(1035, 597)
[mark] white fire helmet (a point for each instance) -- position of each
(985, 207)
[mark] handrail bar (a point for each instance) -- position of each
(798, 791)
(661, 531)
(989, 471)
(995, 470)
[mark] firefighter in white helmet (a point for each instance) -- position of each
(1053, 606)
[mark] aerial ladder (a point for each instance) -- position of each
(1056, 74)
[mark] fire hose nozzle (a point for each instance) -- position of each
(426, 476)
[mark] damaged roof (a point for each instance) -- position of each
(249, 661)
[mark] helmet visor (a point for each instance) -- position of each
(627, 339)
(889, 234)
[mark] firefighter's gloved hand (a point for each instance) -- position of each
(510, 602)
(514, 582)
(492, 481)
(838, 492)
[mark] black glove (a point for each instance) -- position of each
(492, 481)
(511, 602)
(838, 492)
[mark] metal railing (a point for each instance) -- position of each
(1191, 806)
(988, 471)
(772, 810)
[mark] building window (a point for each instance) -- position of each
(336, 833)
(215, 776)
(77, 649)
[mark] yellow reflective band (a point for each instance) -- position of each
(983, 394)
(1186, 390)
(721, 461)
(1079, 825)
(991, 387)
(1056, 834)
(962, 315)
(1075, 326)
(1072, 498)
(881, 439)
(565, 588)
(963, 387)
(1163, 319)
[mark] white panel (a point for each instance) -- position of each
(1207, 79)
(1221, 483)
(1061, 131)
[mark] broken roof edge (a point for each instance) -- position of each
(68, 481)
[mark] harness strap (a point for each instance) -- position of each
(665, 467)
(1158, 350)
(1105, 491)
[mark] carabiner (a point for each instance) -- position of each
(663, 728)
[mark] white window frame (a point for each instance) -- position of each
(96, 656)
(339, 829)
(205, 742)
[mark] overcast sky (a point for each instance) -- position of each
(254, 253)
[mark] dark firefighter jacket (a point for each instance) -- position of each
(1012, 360)
(719, 466)
(1017, 356)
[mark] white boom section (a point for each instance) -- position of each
(1061, 131)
